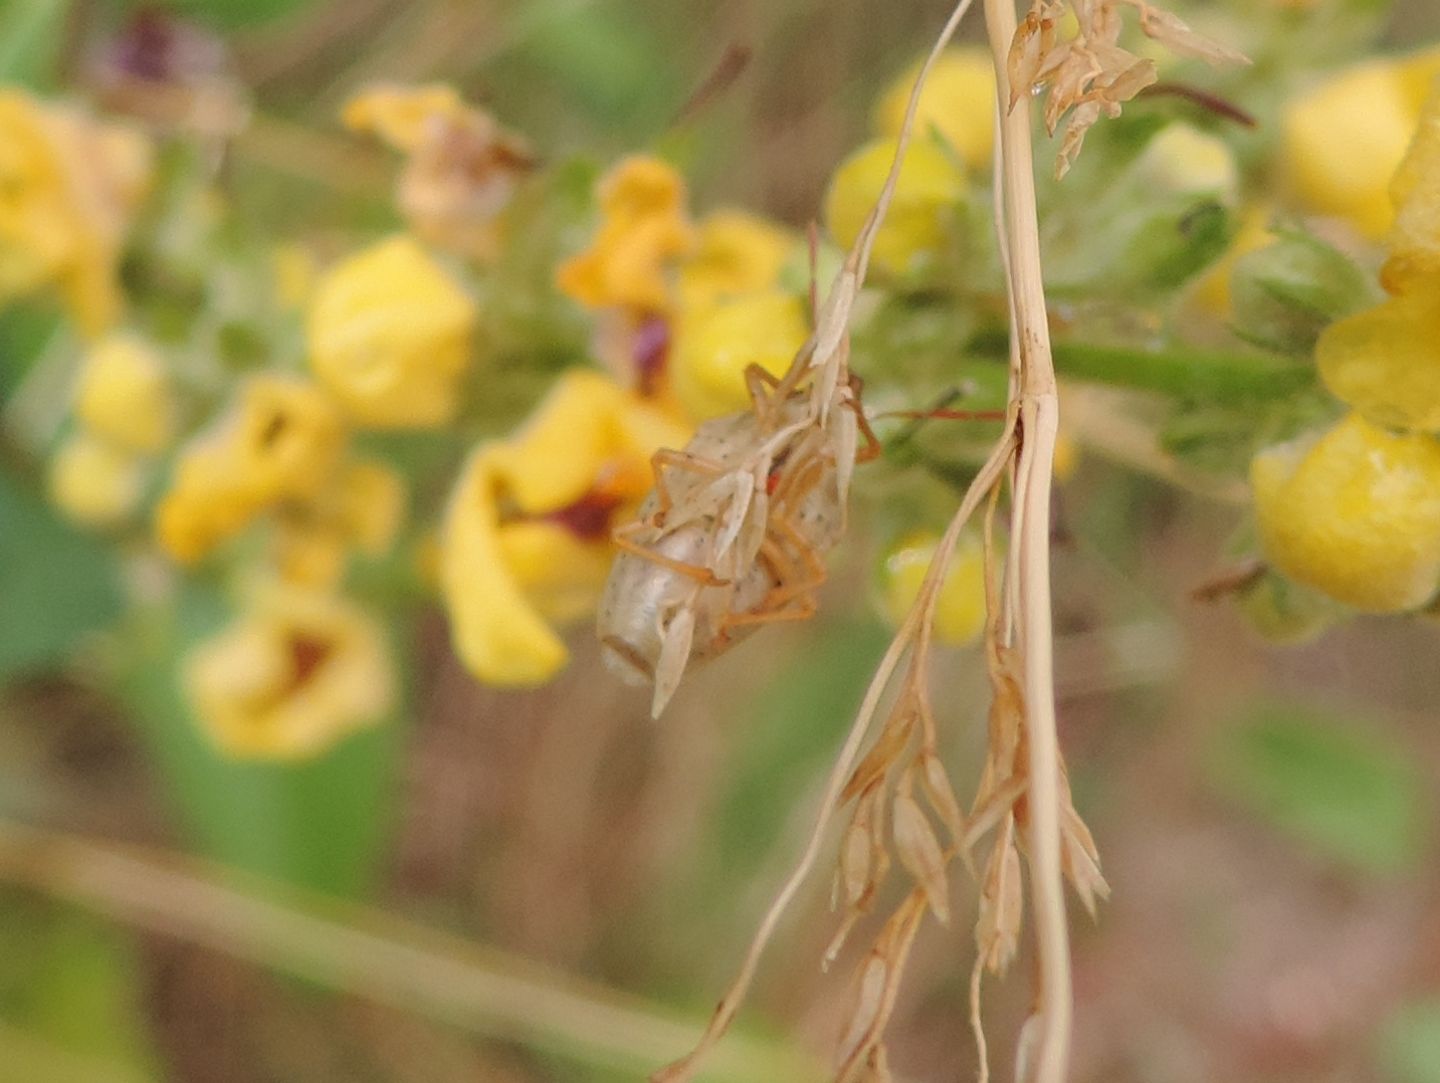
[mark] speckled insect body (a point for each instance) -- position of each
(733, 537)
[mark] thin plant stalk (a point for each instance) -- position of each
(1038, 405)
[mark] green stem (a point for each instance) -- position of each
(1213, 375)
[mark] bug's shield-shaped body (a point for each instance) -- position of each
(732, 538)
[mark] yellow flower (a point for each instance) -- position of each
(960, 609)
(918, 225)
(526, 536)
(1344, 138)
(389, 334)
(291, 677)
(95, 483)
(643, 232)
(68, 187)
(461, 167)
(958, 102)
(717, 342)
(360, 511)
(281, 441)
(1385, 360)
(735, 252)
(1355, 514)
(124, 394)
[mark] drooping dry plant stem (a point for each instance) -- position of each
(1030, 531)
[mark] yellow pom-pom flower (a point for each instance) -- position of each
(918, 225)
(124, 394)
(68, 189)
(957, 102)
(1344, 138)
(281, 441)
(960, 609)
(297, 673)
(735, 252)
(1355, 514)
(1385, 360)
(389, 335)
(716, 343)
(95, 483)
(525, 542)
(643, 233)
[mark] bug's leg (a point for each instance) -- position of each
(682, 461)
(873, 447)
(621, 537)
(805, 575)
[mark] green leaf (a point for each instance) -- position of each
(1409, 1044)
(321, 824)
(56, 583)
(1347, 791)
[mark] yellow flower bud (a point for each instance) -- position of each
(293, 676)
(124, 394)
(389, 334)
(371, 505)
(919, 221)
(309, 553)
(643, 232)
(281, 441)
(95, 483)
(1344, 138)
(1385, 360)
(1355, 514)
(735, 252)
(716, 343)
(960, 609)
(957, 101)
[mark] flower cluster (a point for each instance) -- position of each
(1354, 512)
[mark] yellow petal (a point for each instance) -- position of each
(643, 232)
(1385, 361)
(498, 633)
(562, 575)
(735, 252)
(716, 343)
(399, 114)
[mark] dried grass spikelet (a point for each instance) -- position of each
(1092, 72)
